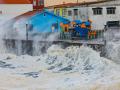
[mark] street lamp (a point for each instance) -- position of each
(27, 27)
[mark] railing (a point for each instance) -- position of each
(94, 34)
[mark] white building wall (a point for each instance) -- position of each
(82, 13)
(9, 11)
(100, 20)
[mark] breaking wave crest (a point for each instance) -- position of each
(75, 58)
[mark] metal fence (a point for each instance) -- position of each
(96, 34)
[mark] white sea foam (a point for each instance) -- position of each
(113, 45)
(73, 68)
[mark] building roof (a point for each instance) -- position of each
(15, 1)
(27, 14)
(36, 12)
(78, 4)
(52, 14)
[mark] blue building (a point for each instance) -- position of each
(46, 22)
(26, 31)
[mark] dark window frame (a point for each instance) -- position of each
(75, 12)
(55, 26)
(58, 12)
(97, 11)
(111, 10)
(69, 12)
(64, 12)
(113, 23)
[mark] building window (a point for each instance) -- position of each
(76, 12)
(29, 27)
(111, 10)
(113, 23)
(0, 12)
(54, 27)
(58, 12)
(97, 11)
(40, 2)
(64, 11)
(34, 3)
(69, 13)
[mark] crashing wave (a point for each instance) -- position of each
(75, 58)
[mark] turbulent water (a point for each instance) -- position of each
(73, 68)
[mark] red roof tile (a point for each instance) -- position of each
(15, 1)
(27, 14)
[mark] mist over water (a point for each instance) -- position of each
(113, 44)
(2, 33)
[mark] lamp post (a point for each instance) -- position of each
(27, 44)
(27, 32)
